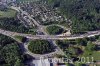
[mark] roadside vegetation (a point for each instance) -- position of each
(54, 30)
(81, 48)
(40, 46)
(21, 38)
(10, 53)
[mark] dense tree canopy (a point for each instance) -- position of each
(10, 54)
(54, 30)
(90, 46)
(40, 46)
(12, 24)
(84, 14)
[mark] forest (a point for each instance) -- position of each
(84, 14)
(40, 46)
(13, 24)
(10, 53)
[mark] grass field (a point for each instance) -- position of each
(96, 56)
(9, 13)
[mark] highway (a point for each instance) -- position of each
(49, 37)
(40, 28)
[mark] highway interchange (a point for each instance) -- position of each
(45, 36)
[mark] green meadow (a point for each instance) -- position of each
(8, 13)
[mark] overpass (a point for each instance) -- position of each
(49, 37)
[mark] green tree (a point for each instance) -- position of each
(54, 30)
(82, 41)
(19, 63)
(90, 48)
(40, 46)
